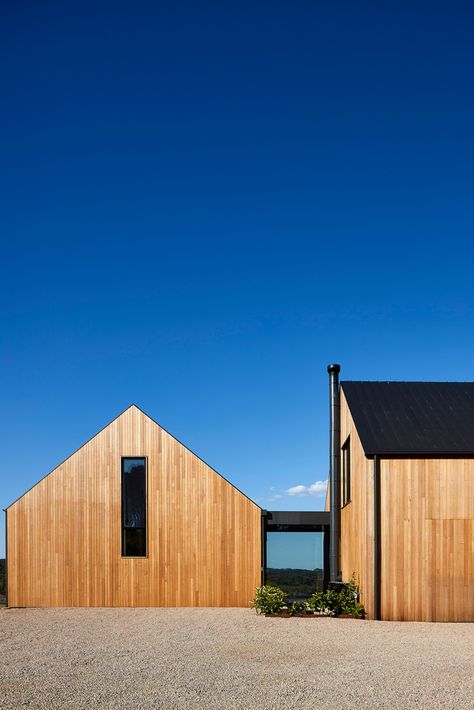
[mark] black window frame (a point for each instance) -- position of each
(295, 521)
(346, 472)
(122, 510)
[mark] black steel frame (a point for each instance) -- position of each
(334, 471)
(295, 521)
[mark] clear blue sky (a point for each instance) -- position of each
(202, 204)
(290, 550)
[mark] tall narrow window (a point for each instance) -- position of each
(346, 472)
(134, 507)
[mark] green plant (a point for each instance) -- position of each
(298, 609)
(334, 602)
(348, 600)
(269, 600)
(323, 602)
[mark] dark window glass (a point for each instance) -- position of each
(134, 542)
(346, 472)
(134, 507)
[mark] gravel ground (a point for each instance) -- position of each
(223, 659)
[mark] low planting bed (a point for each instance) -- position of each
(343, 603)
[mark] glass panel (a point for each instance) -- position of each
(295, 562)
(134, 542)
(134, 493)
(346, 473)
(134, 507)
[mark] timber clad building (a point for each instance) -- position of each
(407, 495)
(134, 518)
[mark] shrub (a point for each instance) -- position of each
(348, 600)
(336, 602)
(298, 609)
(269, 600)
(322, 602)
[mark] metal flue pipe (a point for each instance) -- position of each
(334, 472)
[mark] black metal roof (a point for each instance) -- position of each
(413, 418)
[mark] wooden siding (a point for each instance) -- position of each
(427, 539)
(357, 516)
(64, 535)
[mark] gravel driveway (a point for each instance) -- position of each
(219, 659)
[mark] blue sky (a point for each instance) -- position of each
(204, 204)
(302, 550)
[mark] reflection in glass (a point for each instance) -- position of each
(295, 562)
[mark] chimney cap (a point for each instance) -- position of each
(334, 368)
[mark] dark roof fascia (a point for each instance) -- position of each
(105, 427)
(407, 382)
(418, 455)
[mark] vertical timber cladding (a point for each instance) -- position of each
(426, 535)
(357, 516)
(427, 539)
(64, 535)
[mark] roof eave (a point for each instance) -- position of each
(421, 454)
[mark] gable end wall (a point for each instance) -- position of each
(64, 535)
